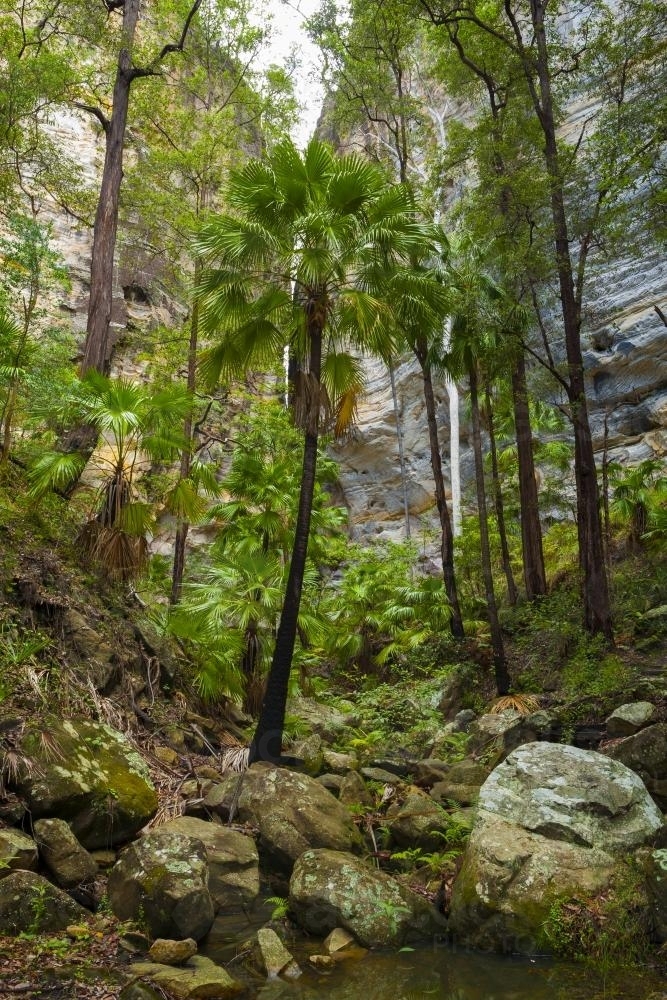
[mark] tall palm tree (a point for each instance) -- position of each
(305, 259)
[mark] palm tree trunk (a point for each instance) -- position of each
(498, 503)
(267, 741)
(499, 662)
(534, 576)
(447, 537)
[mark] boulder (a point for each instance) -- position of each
(490, 731)
(91, 776)
(330, 889)
(504, 731)
(162, 879)
(552, 822)
(198, 979)
(332, 782)
(167, 952)
(461, 784)
(380, 775)
(69, 863)
(353, 790)
(17, 850)
(309, 750)
(429, 771)
(325, 720)
(418, 822)
(292, 812)
(339, 763)
(233, 862)
(645, 753)
(628, 719)
(30, 904)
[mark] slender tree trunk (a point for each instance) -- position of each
(454, 436)
(447, 537)
(605, 493)
(498, 503)
(534, 576)
(401, 453)
(499, 662)
(97, 350)
(186, 455)
(8, 418)
(267, 740)
(597, 609)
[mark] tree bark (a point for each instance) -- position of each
(401, 454)
(498, 503)
(186, 455)
(534, 576)
(597, 608)
(97, 350)
(267, 741)
(447, 537)
(497, 645)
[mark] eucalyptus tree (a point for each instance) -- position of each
(474, 340)
(613, 52)
(136, 58)
(305, 259)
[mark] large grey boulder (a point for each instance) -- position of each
(163, 879)
(292, 812)
(552, 823)
(91, 776)
(69, 863)
(30, 904)
(330, 889)
(645, 753)
(233, 862)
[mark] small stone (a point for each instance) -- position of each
(168, 952)
(337, 940)
(322, 961)
(198, 979)
(166, 755)
(104, 859)
(274, 957)
(339, 763)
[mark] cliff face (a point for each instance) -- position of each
(625, 353)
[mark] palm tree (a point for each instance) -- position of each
(138, 425)
(305, 259)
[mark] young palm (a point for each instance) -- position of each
(138, 425)
(305, 259)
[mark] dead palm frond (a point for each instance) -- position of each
(524, 704)
(49, 746)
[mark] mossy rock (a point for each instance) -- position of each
(29, 904)
(89, 775)
(330, 889)
(162, 880)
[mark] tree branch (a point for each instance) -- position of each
(90, 109)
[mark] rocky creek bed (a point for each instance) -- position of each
(387, 877)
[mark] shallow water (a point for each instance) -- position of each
(437, 970)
